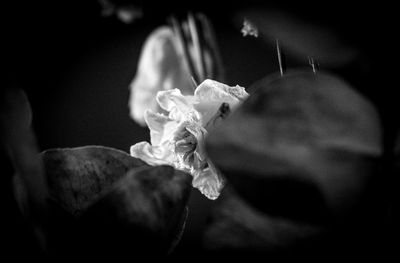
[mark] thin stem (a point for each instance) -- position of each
(313, 64)
(183, 43)
(280, 60)
(211, 42)
(194, 82)
(198, 49)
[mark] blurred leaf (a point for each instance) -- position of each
(145, 210)
(20, 144)
(15, 110)
(105, 202)
(236, 226)
(302, 127)
(78, 177)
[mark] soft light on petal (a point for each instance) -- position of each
(167, 99)
(210, 94)
(156, 123)
(161, 127)
(209, 182)
(153, 155)
(179, 106)
(217, 91)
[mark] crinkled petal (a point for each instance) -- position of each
(211, 94)
(153, 155)
(156, 123)
(161, 127)
(169, 99)
(179, 106)
(211, 90)
(208, 181)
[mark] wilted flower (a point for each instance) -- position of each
(177, 139)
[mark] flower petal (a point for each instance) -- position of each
(208, 181)
(211, 90)
(179, 106)
(153, 155)
(211, 94)
(155, 121)
(164, 98)
(161, 127)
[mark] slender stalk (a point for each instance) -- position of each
(280, 60)
(211, 42)
(183, 43)
(197, 46)
(313, 64)
(194, 82)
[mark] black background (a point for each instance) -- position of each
(76, 66)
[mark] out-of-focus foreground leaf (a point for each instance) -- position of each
(301, 153)
(78, 177)
(239, 227)
(103, 202)
(20, 145)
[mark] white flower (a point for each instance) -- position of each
(177, 139)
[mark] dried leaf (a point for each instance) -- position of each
(105, 202)
(78, 177)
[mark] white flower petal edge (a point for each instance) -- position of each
(178, 139)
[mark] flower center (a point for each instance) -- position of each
(185, 145)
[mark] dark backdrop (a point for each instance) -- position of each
(76, 65)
